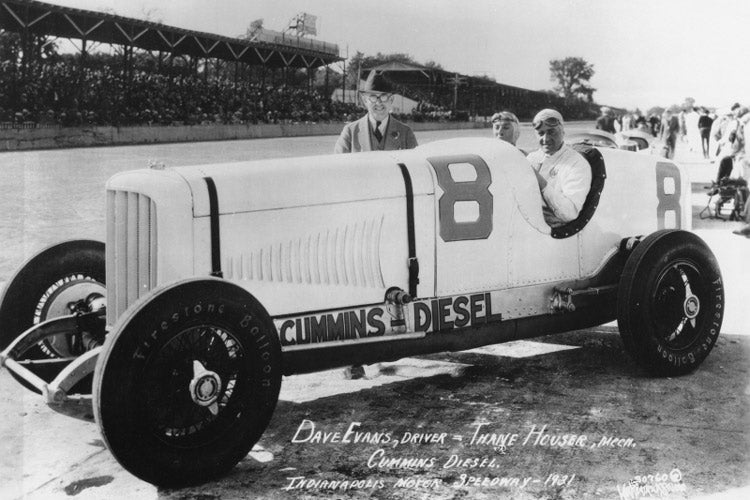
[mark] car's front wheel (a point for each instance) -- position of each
(670, 302)
(46, 287)
(187, 382)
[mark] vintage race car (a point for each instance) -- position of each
(217, 280)
(643, 140)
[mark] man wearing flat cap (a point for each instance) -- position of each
(505, 127)
(564, 175)
(378, 130)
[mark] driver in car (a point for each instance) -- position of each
(564, 175)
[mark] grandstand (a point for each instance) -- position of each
(161, 74)
(157, 74)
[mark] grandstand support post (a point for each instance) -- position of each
(326, 80)
(343, 81)
(359, 74)
(26, 53)
(127, 63)
(82, 59)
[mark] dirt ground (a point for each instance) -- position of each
(560, 417)
(450, 434)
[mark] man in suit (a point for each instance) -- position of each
(378, 130)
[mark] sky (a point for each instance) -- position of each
(645, 52)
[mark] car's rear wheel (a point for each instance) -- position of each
(670, 302)
(187, 382)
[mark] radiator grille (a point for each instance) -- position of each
(131, 250)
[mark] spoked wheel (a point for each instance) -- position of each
(670, 302)
(53, 283)
(187, 382)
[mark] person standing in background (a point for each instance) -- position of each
(606, 121)
(670, 129)
(689, 124)
(704, 126)
(730, 142)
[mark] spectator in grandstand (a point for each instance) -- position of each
(564, 175)
(377, 130)
(505, 126)
(606, 121)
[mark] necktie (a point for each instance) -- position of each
(378, 135)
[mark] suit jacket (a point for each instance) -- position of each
(357, 136)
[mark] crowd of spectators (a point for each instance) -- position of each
(65, 95)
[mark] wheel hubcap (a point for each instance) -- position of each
(205, 387)
(677, 303)
(692, 306)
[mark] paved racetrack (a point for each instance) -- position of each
(689, 434)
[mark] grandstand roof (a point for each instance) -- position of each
(414, 75)
(52, 20)
(401, 67)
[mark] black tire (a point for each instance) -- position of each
(145, 385)
(41, 287)
(670, 302)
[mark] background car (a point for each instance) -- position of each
(644, 141)
(600, 139)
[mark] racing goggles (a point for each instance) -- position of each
(551, 122)
(375, 98)
(504, 117)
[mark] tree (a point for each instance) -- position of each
(359, 60)
(253, 30)
(572, 75)
(656, 110)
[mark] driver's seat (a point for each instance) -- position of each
(598, 175)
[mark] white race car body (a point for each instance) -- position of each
(321, 239)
